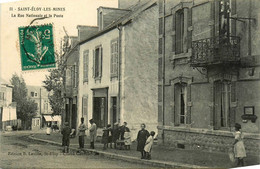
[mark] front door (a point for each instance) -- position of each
(100, 111)
(114, 109)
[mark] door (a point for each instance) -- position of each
(100, 111)
(114, 109)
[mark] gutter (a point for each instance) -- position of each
(119, 27)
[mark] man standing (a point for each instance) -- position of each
(82, 129)
(92, 133)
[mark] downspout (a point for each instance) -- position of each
(163, 72)
(249, 29)
(119, 27)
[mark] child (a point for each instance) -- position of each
(239, 148)
(105, 137)
(66, 132)
(110, 137)
(148, 146)
(127, 138)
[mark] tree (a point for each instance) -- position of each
(26, 108)
(55, 81)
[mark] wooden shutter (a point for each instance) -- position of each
(189, 31)
(100, 61)
(111, 58)
(160, 45)
(233, 21)
(85, 107)
(116, 57)
(233, 100)
(93, 66)
(177, 95)
(188, 116)
(174, 34)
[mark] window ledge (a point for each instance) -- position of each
(181, 55)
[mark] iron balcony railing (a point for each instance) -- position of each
(215, 50)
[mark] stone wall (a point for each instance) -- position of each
(206, 140)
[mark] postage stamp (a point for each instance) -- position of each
(37, 47)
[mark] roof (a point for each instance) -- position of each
(135, 10)
(44, 92)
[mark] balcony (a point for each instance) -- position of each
(215, 51)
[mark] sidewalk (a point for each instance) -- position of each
(161, 156)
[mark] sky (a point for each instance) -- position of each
(77, 12)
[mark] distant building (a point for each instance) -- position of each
(209, 59)
(40, 96)
(7, 107)
(118, 68)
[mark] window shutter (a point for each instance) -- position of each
(189, 31)
(85, 107)
(160, 50)
(174, 29)
(233, 21)
(176, 105)
(93, 66)
(111, 58)
(188, 116)
(116, 57)
(233, 108)
(100, 61)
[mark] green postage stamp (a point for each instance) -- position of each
(37, 47)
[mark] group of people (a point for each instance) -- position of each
(121, 135)
(67, 132)
(117, 135)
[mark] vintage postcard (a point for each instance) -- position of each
(129, 83)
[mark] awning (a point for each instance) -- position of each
(48, 118)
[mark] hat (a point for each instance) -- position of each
(116, 123)
(66, 123)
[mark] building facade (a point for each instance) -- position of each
(8, 115)
(71, 57)
(40, 96)
(208, 73)
(118, 68)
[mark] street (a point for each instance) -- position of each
(19, 151)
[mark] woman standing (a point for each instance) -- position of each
(239, 148)
(142, 136)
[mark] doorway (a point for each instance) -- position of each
(100, 111)
(114, 110)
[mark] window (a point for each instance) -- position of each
(114, 58)
(180, 99)
(97, 65)
(85, 65)
(179, 31)
(84, 106)
(35, 94)
(222, 98)
(32, 94)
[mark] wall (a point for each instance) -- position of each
(246, 75)
(140, 72)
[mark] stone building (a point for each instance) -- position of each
(40, 96)
(118, 67)
(70, 47)
(8, 115)
(208, 73)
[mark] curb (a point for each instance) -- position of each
(128, 158)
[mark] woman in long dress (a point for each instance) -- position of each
(239, 148)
